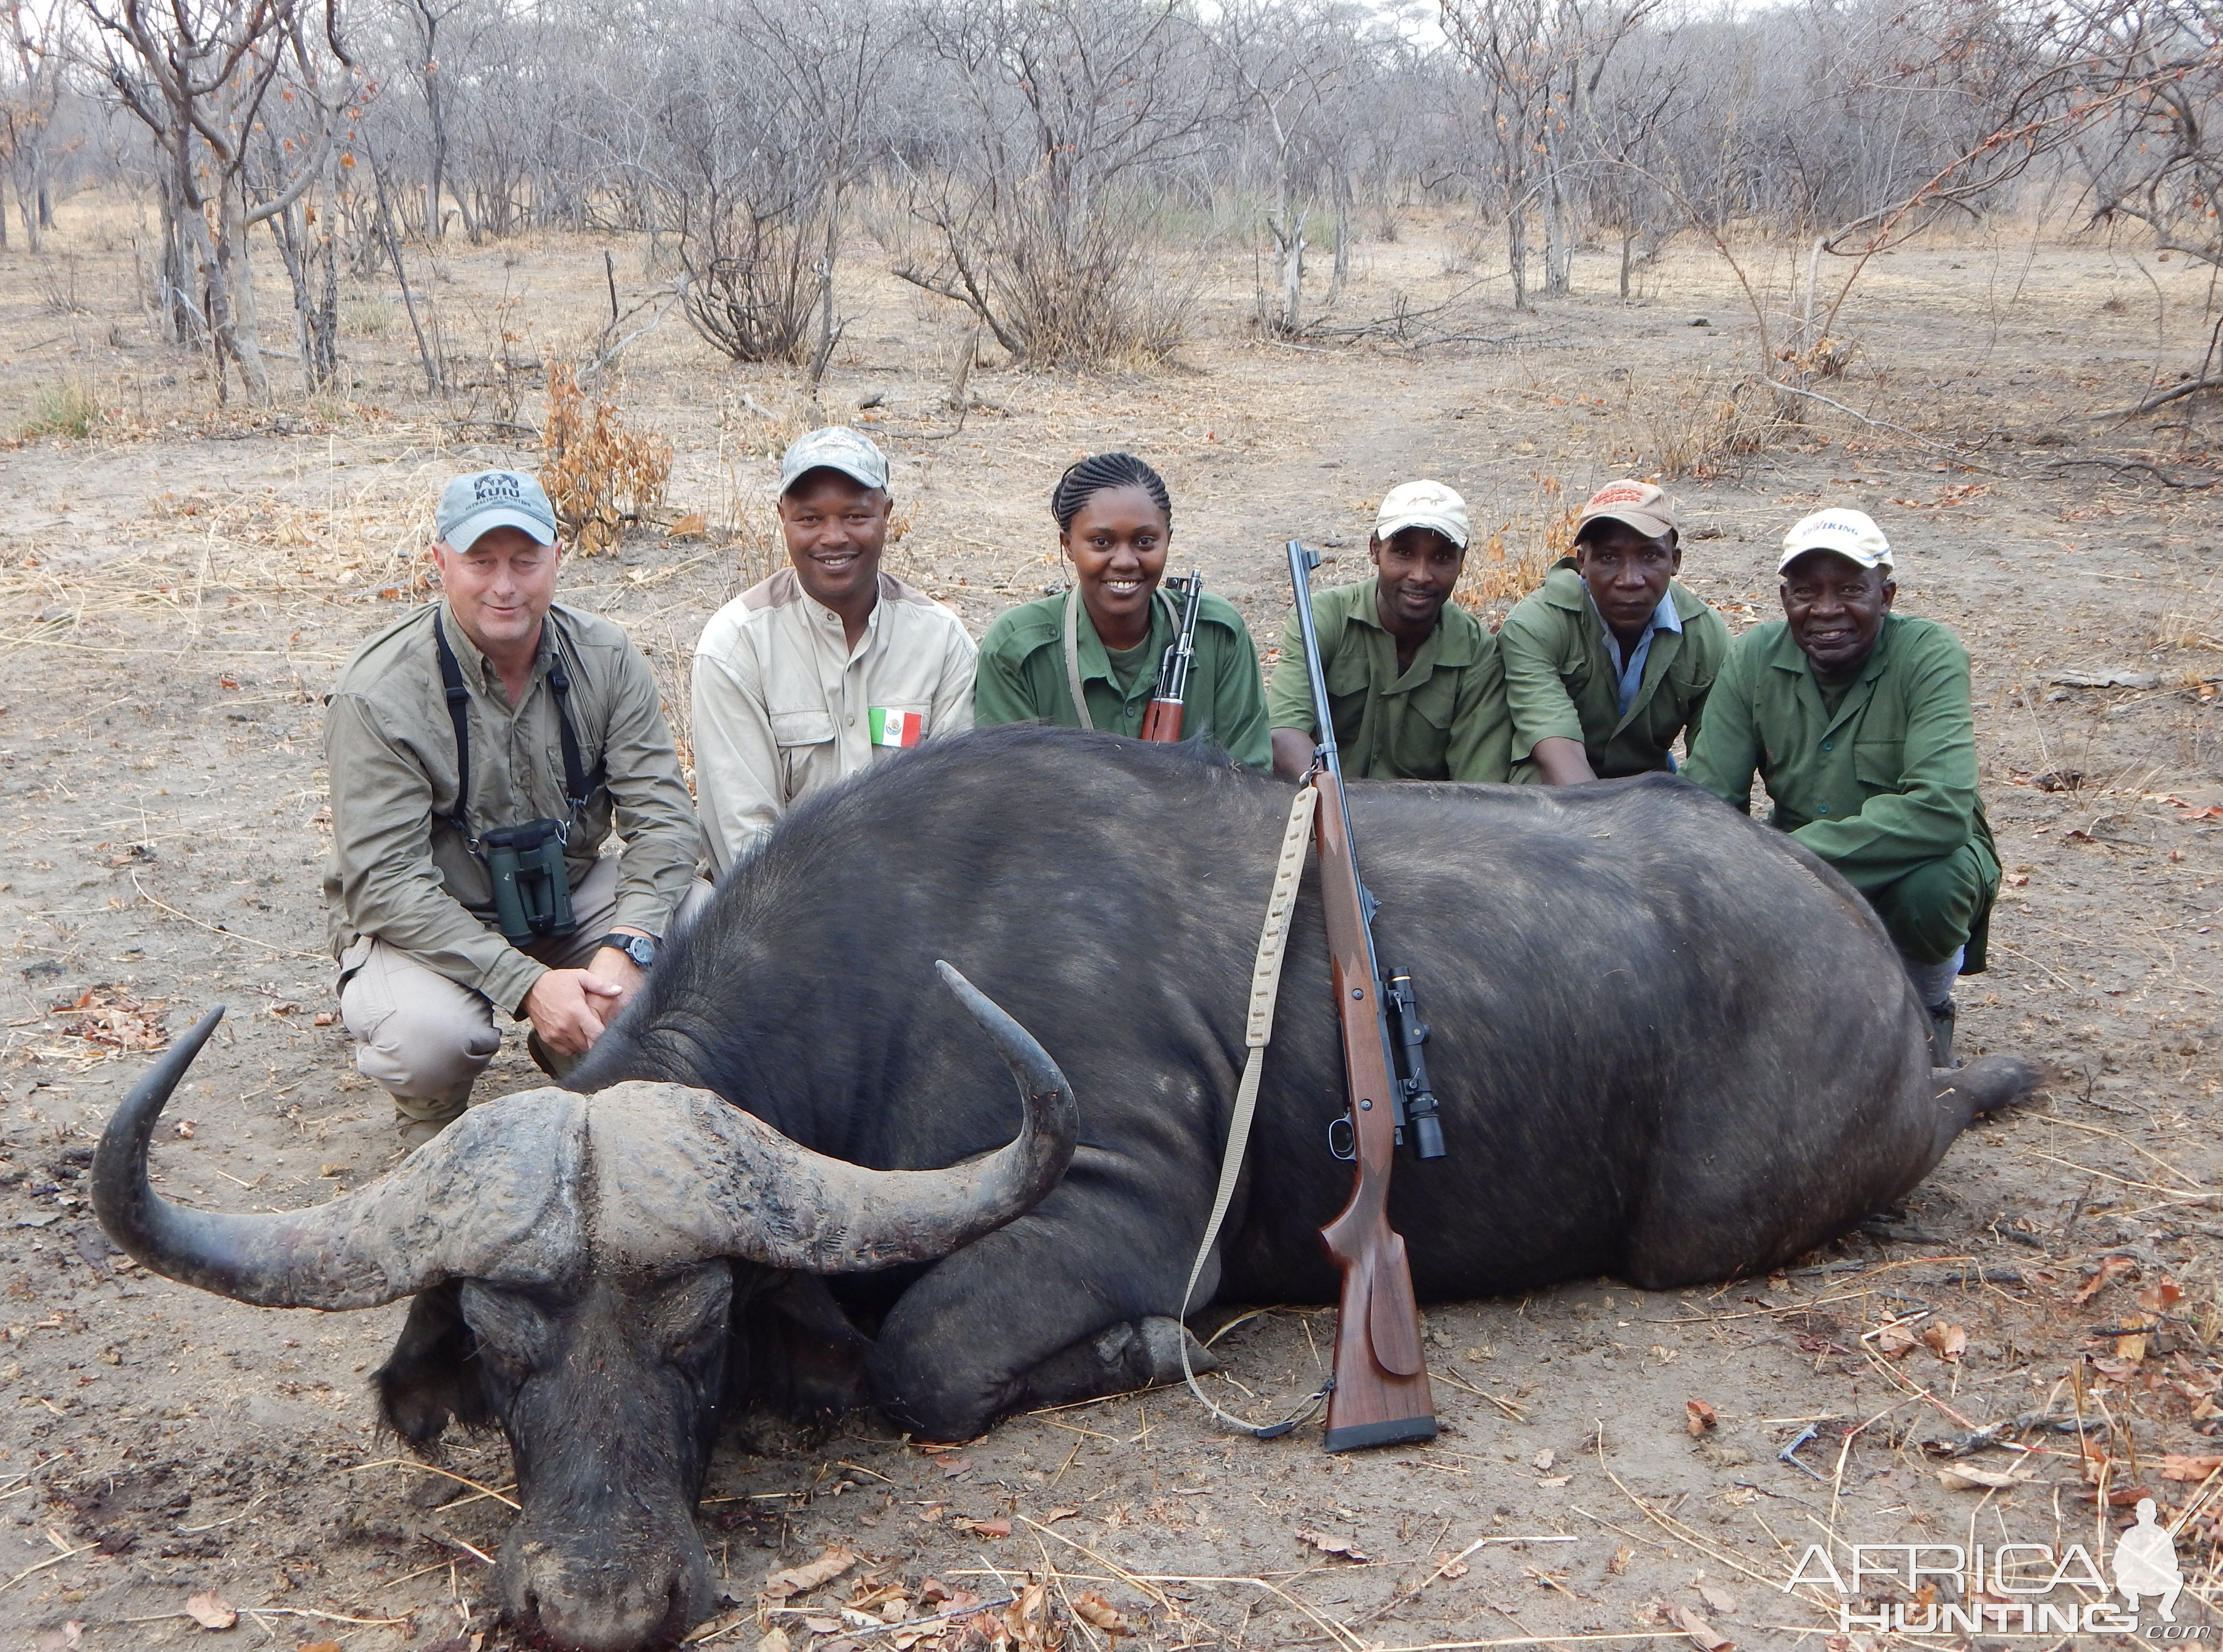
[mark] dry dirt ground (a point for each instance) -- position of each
(178, 589)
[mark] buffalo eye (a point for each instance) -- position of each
(515, 1335)
(688, 1312)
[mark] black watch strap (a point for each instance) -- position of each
(641, 949)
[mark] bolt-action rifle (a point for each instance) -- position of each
(1163, 721)
(1382, 1396)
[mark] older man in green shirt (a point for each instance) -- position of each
(1612, 658)
(1859, 721)
(1414, 682)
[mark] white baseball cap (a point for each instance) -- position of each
(834, 447)
(1852, 534)
(1422, 505)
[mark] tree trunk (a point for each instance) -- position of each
(1516, 253)
(1342, 237)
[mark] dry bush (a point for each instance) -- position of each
(67, 407)
(1497, 575)
(1675, 430)
(600, 476)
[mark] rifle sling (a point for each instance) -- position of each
(1072, 656)
(1258, 1031)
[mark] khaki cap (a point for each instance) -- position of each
(1422, 505)
(1639, 505)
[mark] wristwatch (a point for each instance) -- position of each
(639, 948)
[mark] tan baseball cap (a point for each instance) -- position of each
(1852, 534)
(1422, 505)
(1639, 505)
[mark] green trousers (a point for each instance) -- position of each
(1942, 905)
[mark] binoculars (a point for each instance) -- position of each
(532, 888)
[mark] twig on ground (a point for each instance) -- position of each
(428, 1468)
(218, 929)
(2155, 471)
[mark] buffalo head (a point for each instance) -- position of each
(573, 1260)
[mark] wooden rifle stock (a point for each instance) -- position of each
(1381, 1395)
(1162, 719)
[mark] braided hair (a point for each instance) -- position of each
(1098, 472)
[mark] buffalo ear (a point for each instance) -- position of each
(431, 1378)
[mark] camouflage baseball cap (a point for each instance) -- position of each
(472, 504)
(835, 447)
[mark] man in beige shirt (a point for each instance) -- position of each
(494, 731)
(828, 665)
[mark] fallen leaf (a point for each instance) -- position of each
(2113, 1268)
(185, 1128)
(1542, 1460)
(1966, 1478)
(989, 1527)
(2164, 1294)
(2132, 1348)
(1697, 1417)
(1892, 1339)
(1950, 1341)
(2174, 1468)
(1702, 1633)
(1093, 1609)
(1448, 1568)
(1556, 1480)
(318, 1646)
(1619, 1564)
(1328, 1544)
(775, 1640)
(210, 1609)
(690, 526)
(1056, 1514)
(953, 1467)
(1719, 1599)
(322, 1018)
(802, 1580)
(821, 1625)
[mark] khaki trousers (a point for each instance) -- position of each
(426, 1037)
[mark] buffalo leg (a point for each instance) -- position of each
(965, 1344)
(1134, 1354)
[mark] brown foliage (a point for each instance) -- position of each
(600, 476)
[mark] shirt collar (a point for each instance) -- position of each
(1666, 617)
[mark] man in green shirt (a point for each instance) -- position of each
(1612, 657)
(1859, 721)
(1414, 682)
(1106, 635)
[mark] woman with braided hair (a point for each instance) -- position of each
(1088, 657)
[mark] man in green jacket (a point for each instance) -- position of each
(1858, 719)
(1612, 657)
(1414, 682)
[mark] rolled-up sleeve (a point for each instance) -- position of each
(650, 808)
(1536, 698)
(389, 887)
(737, 772)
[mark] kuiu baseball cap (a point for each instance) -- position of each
(836, 447)
(1636, 504)
(470, 505)
(1422, 505)
(1852, 534)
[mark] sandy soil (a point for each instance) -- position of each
(177, 590)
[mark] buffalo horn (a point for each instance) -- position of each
(492, 1196)
(724, 1182)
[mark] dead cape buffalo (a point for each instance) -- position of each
(1670, 1046)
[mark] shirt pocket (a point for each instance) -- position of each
(1880, 765)
(1436, 701)
(814, 726)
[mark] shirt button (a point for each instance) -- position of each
(1825, 808)
(1827, 746)
(853, 722)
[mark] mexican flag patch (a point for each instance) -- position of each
(897, 728)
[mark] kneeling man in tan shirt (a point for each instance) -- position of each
(829, 664)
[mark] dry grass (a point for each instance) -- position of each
(1496, 574)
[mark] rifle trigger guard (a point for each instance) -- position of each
(1349, 1150)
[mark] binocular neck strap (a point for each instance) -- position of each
(459, 714)
(575, 788)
